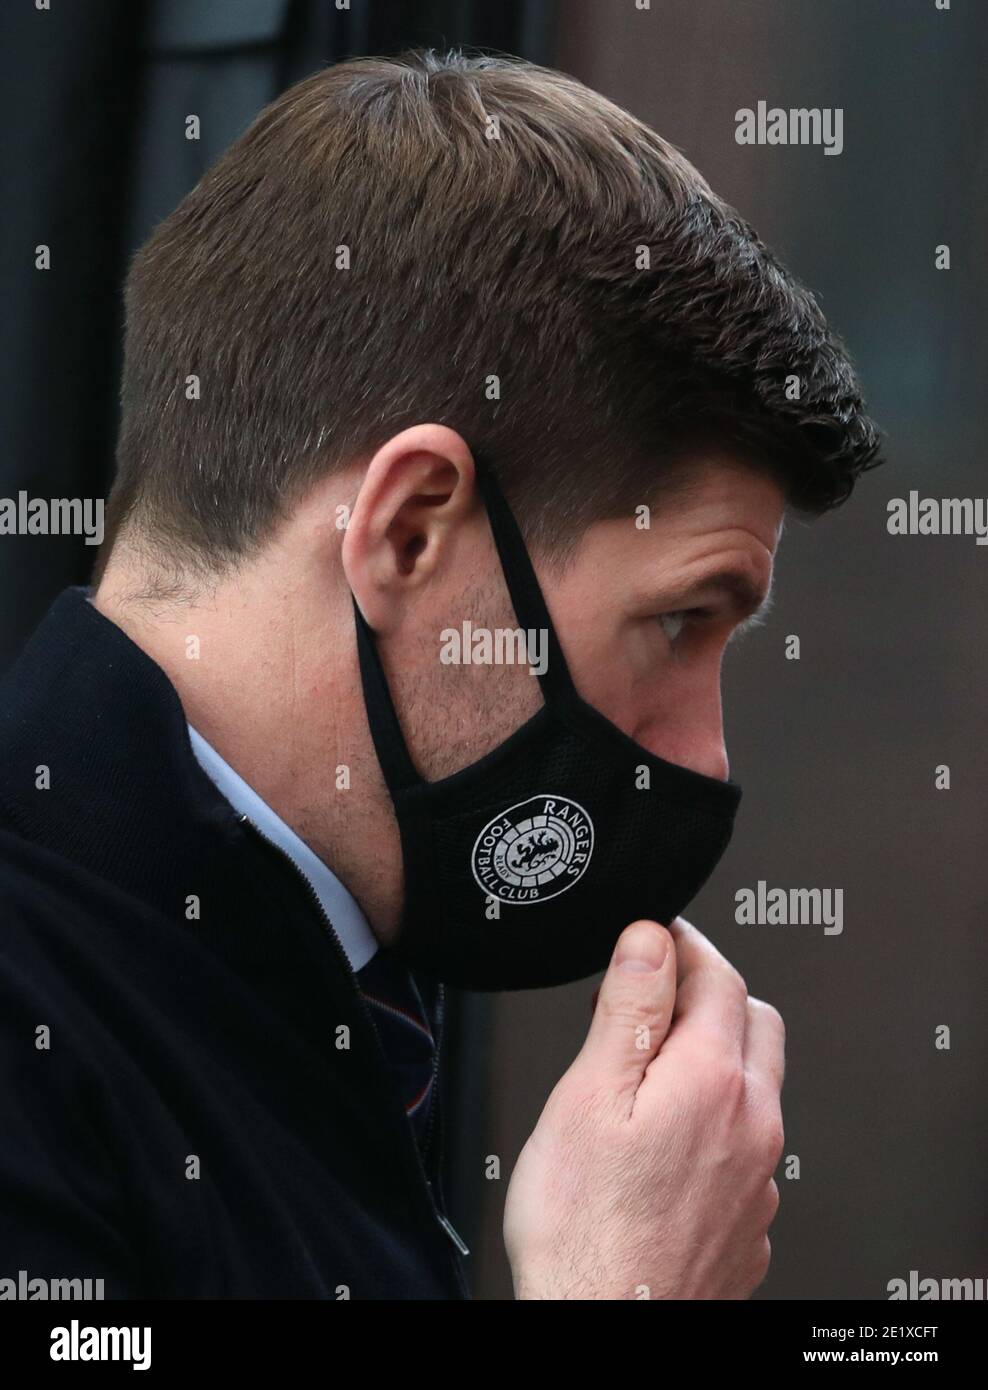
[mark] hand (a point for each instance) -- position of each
(649, 1173)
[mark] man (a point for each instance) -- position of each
(460, 419)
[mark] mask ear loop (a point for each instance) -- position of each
(530, 610)
(524, 589)
(389, 741)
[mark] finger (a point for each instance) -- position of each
(711, 997)
(634, 1007)
(765, 1045)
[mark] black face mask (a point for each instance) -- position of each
(524, 868)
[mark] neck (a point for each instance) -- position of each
(249, 663)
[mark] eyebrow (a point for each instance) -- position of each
(748, 596)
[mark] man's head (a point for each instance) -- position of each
(407, 263)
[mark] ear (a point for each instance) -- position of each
(419, 489)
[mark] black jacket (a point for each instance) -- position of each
(192, 1127)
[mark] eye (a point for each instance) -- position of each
(673, 623)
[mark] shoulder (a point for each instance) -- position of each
(63, 929)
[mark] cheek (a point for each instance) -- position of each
(620, 670)
(661, 696)
(682, 696)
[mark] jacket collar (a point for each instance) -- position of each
(339, 905)
(95, 754)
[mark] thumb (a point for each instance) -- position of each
(634, 1006)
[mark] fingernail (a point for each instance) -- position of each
(642, 948)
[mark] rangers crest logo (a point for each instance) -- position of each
(533, 851)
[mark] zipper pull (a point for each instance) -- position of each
(445, 1222)
(453, 1233)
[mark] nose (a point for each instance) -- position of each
(709, 757)
(722, 766)
(694, 736)
(701, 749)
(706, 727)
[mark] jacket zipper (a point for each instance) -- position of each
(440, 1217)
(437, 1049)
(434, 1126)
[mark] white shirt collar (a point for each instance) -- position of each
(349, 923)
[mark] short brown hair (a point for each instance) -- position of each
(500, 220)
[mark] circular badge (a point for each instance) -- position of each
(533, 851)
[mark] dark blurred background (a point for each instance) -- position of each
(836, 751)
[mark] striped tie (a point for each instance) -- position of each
(406, 1034)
